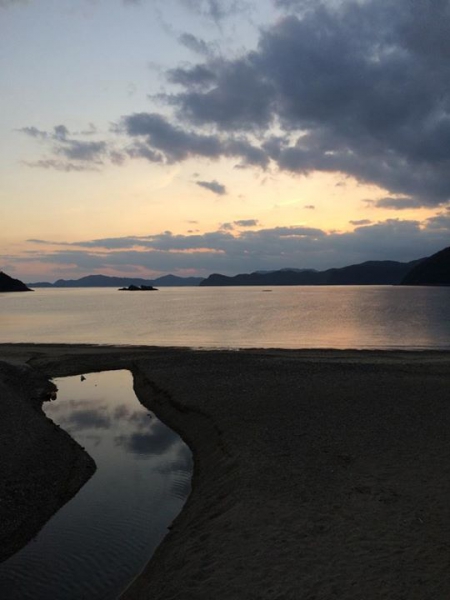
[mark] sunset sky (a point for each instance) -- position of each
(145, 137)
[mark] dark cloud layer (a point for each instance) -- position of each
(359, 88)
(157, 139)
(230, 252)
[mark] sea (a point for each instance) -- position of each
(100, 540)
(340, 317)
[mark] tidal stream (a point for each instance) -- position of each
(97, 544)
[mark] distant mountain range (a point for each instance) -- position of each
(386, 272)
(434, 270)
(105, 281)
(8, 284)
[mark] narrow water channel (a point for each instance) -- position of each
(100, 541)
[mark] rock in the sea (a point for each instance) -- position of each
(138, 288)
(8, 284)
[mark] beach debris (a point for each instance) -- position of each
(83, 378)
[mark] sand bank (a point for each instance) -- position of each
(318, 474)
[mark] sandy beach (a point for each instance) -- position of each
(318, 474)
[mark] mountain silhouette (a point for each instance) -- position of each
(434, 270)
(385, 272)
(8, 284)
(106, 281)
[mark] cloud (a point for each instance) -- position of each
(59, 165)
(199, 75)
(79, 150)
(34, 132)
(213, 186)
(361, 222)
(216, 10)
(71, 154)
(397, 203)
(359, 88)
(155, 138)
(195, 44)
(235, 251)
(59, 133)
(440, 222)
(309, 206)
(175, 143)
(240, 100)
(246, 223)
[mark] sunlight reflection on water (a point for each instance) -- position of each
(384, 317)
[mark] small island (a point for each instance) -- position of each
(9, 284)
(138, 288)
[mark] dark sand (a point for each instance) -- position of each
(318, 474)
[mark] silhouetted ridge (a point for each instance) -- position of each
(106, 281)
(8, 284)
(385, 272)
(434, 270)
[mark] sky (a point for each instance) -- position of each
(146, 137)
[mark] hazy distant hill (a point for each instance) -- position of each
(106, 281)
(8, 284)
(386, 272)
(434, 270)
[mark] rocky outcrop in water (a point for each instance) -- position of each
(138, 288)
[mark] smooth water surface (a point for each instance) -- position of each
(100, 540)
(383, 317)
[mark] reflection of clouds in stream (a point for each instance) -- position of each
(82, 420)
(182, 465)
(137, 417)
(94, 440)
(135, 431)
(77, 416)
(157, 440)
(181, 459)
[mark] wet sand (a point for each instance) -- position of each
(318, 474)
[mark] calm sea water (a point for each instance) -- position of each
(96, 544)
(384, 317)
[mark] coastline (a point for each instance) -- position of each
(318, 473)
